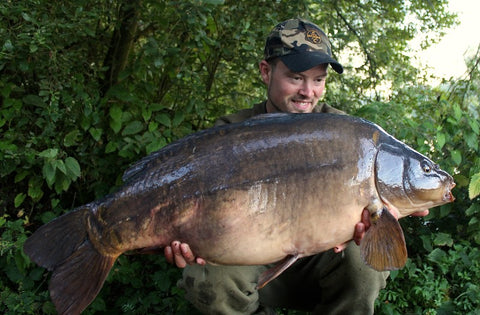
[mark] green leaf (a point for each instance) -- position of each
(132, 128)
(111, 147)
(59, 165)
(96, 133)
(116, 125)
(146, 114)
(49, 153)
(35, 188)
(164, 120)
(472, 140)
(152, 126)
(473, 221)
(116, 113)
(62, 183)
(474, 125)
(49, 170)
(34, 100)
(438, 256)
(73, 168)
(33, 48)
(456, 156)
(443, 239)
(26, 17)
(19, 199)
(427, 242)
(156, 145)
(8, 46)
(177, 120)
(473, 209)
(47, 216)
(461, 180)
(440, 140)
(457, 112)
(71, 138)
(54, 203)
(474, 187)
(21, 175)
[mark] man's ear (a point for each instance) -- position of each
(265, 71)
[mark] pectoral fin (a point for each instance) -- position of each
(383, 247)
(275, 271)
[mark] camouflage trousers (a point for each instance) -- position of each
(327, 283)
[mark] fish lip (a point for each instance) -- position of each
(448, 197)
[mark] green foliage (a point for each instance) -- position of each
(88, 87)
(446, 282)
(16, 268)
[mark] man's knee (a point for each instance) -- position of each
(222, 289)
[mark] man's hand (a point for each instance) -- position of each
(361, 227)
(181, 255)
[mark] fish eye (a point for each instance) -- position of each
(426, 167)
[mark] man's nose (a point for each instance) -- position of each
(306, 89)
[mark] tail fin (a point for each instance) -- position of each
(76, 282)
(79, 270)
(55, 241)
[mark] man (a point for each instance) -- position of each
(297, 55)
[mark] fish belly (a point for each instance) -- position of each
(265, 223)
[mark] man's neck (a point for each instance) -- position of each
(271, 107)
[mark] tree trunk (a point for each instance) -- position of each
(122, 41)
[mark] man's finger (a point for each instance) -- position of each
(366, 219)
(420, 214)
(177, 253)
(359, 232)
(187, 254)
(167, 251)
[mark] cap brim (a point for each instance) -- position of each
(300, 62)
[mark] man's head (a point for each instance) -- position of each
(297, 54)
(300, 45)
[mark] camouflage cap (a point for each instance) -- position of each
(301, 45)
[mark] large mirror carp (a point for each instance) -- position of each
(270, 189)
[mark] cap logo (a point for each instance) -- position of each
(313, 36)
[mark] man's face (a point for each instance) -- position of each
(293, 92)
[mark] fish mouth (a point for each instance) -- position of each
(448, 196)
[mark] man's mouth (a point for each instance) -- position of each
(302, 104)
